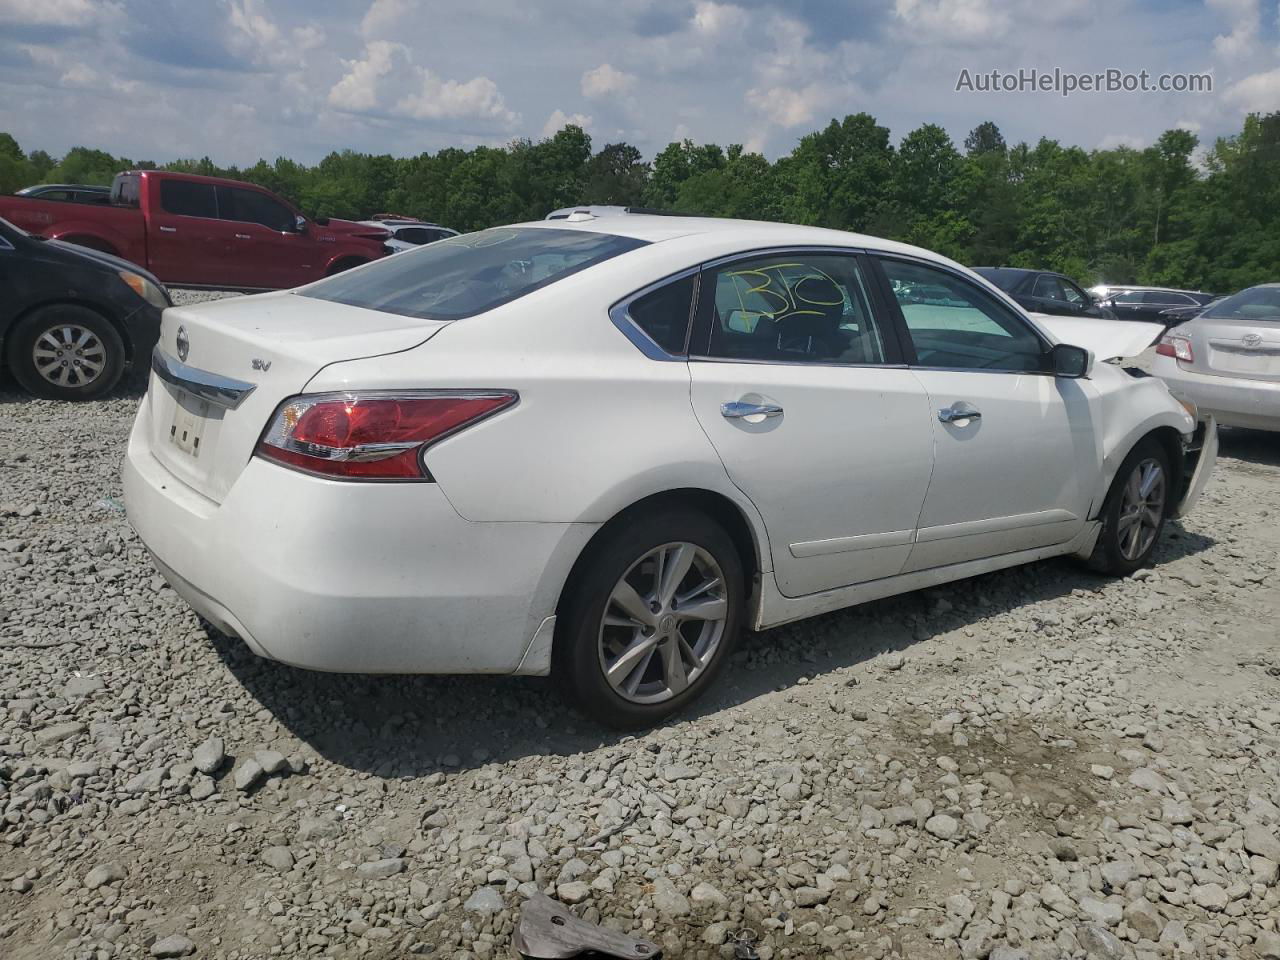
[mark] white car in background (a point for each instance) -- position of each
(600, 448)
(409, 234)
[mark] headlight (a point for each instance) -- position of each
(153, 293)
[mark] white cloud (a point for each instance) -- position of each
(715, 19)
(357, 91)
(81, 77)
(437, 98)
(559, 119)
(1191, 126)
(1259, 93)
(1245, 20)
(387, 81)
(606, 81)
(956, 19)
(53, 13)
(382, 14)
(787, 106)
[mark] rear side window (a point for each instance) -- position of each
(249, 206)
(418, 235)
(790, 308)
(663, 314)
(124, 189)
(462, 276)
(185, 198)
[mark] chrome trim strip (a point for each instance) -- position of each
(220, 391)
(864, 541)
(971, 528)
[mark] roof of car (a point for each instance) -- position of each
(1134, 287)
(655, 228)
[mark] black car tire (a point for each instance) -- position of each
(1109, 555)
(577, 666)
(108, 351)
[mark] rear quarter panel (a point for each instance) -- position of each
(598, 425)
(120, 228)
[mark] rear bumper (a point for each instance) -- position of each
(1232, 401)
(352, 577)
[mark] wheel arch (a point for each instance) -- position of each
(730, 515)
(1170, 439)
(120, 328)
(344, 261)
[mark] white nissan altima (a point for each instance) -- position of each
(601, 447)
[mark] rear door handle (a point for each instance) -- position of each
(960, 410)
(168, 229)
(739, 410)
(243, 236)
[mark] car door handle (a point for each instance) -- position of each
(243, 236)
(168, 229)
(960, 410)
(738, 410)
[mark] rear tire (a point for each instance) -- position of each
(672, 638)
(66, 352)
(1134, 512)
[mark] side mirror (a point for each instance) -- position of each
(1071, 362)
(299, 224)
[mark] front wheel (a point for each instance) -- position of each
(651, 620)
(66, 352)
(1134, 512)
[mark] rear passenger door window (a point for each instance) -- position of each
(187, 198)
(1048, 288)
(954, 323)
(790, 308)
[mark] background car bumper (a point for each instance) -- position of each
(1233, 401)
(351, 577)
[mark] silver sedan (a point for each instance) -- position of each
(1227, 360)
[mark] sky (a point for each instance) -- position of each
(241, 79)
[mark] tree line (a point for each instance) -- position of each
(1166, 215)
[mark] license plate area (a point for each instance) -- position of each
(190, 417)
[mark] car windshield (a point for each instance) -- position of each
(462, 276)
(1255, 303)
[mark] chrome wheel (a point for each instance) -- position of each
(69, 355)
(1141, 509)
(663, 623)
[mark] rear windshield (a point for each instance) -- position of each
(1256, 303)
(461, 276)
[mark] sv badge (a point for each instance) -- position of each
(263, 365)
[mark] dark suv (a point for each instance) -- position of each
(1041, 291)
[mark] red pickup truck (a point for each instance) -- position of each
(193, 231)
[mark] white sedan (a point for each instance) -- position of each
(601, 447)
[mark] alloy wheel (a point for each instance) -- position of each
(1141, 509)
(69, 355)
(663, 623)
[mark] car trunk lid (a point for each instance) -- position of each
(222, 368)
(1245, 349)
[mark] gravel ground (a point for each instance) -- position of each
(1032, 764)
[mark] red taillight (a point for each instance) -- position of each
(372, 436)
(1177, 347)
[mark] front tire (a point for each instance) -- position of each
(1135, 510)
(651, 619)
(66, 352)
